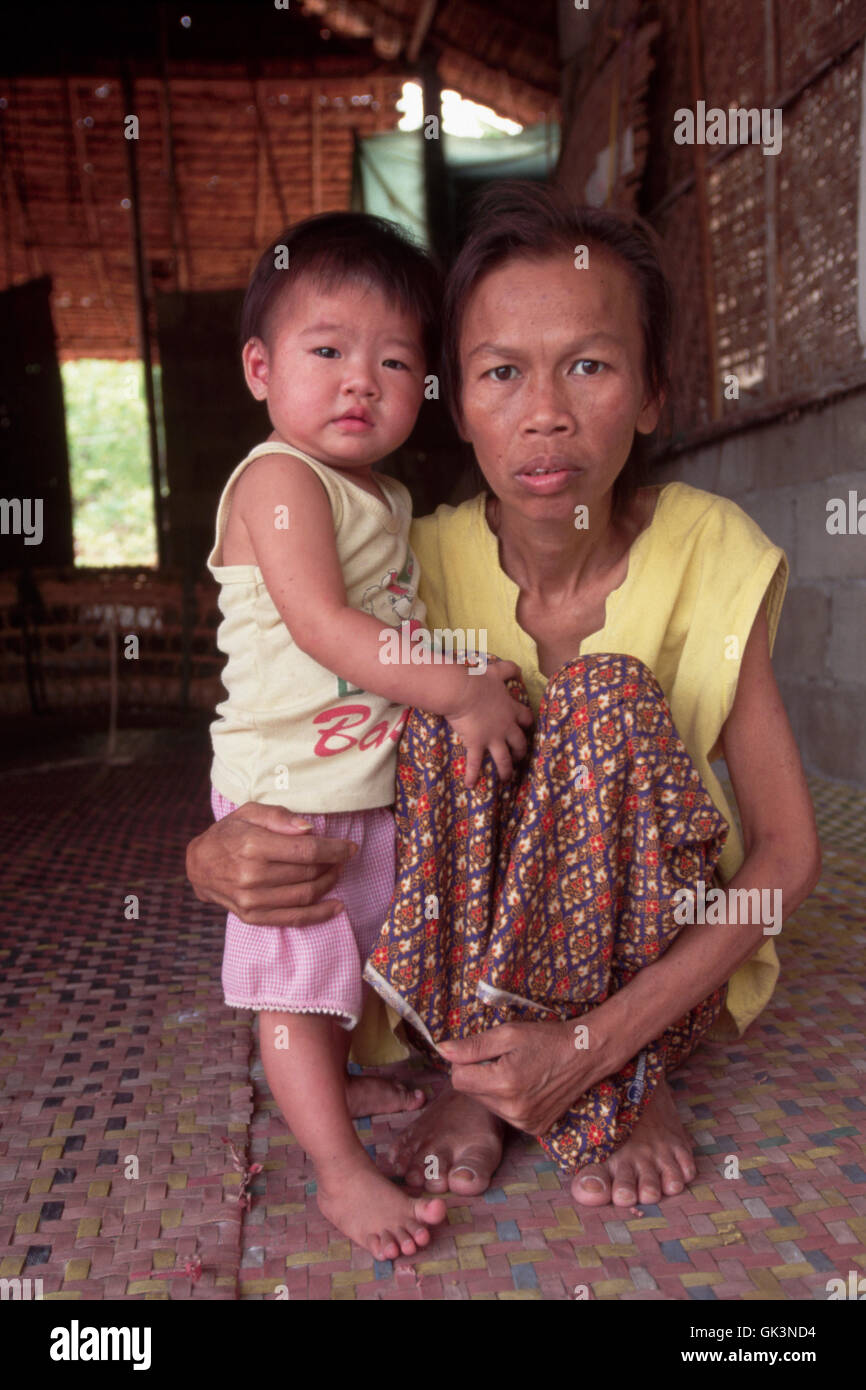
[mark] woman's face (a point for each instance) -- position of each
(553, 387)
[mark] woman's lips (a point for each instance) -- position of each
(545, 475)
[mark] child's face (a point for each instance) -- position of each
(343, 375)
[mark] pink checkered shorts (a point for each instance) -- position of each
(317, 969)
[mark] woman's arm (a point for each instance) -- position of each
(539, 1061)
(301, 569)
(782, 853)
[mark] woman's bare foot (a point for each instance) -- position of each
(374, 1095)
(656, 1159)
(461, 1135)
(374, 1213)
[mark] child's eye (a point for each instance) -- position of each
(395, 362)
(321, 351)
(588, 362)
(494, 373)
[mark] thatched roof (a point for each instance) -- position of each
(246, 119)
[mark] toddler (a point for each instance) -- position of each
(313, 561)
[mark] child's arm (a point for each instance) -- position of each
(301, 570)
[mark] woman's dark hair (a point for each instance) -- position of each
(333, 247)
(530, 220)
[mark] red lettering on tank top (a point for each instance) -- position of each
(369, 741)
(339, 717)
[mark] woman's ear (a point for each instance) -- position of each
(256, 367)
(650, 414)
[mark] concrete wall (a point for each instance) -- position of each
(783, 475)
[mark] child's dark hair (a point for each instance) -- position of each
(333, 247)
(531, 220)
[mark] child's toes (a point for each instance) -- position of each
(407, 1244)
(430, 1209)
(383, 1246)
(392, 1246)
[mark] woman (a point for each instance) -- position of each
(553, 361)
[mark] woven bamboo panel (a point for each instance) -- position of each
(818, 230)
(808, 251)
(812, 31)
(690, 371)
(612, 114)
(244, 165)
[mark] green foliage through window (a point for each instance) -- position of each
(112, 496)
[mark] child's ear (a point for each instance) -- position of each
(256, 367)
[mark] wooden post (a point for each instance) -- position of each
(700, 159)
(436, 188)
(142, 313)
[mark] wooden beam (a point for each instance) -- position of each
(423, 20)
(73, 116)
(316, 149)
(705, 242)
(143, 313)
(18, 196)
(264, 139)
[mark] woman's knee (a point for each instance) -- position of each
(605, 673)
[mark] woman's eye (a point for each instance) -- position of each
(495, 373)
(321, 351)
(589, 362)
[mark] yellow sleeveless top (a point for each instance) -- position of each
(292, 733)
(697, 576)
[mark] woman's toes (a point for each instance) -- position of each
(648, 1189)
(686, 1164)
(673, 1180)
(624, 1188)
(465, 1180)
(591, 1187)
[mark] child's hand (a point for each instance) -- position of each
(491, 718)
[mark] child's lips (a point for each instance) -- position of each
(355, 421)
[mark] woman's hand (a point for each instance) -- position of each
(527, 1073)
(264, 864)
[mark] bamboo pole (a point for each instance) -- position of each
(142, 315)
(704, 219)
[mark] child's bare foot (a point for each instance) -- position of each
(374, 1095)
(375, 1214)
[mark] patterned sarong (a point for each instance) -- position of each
(537, 898)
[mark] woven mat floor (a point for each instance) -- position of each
(123, 1074)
